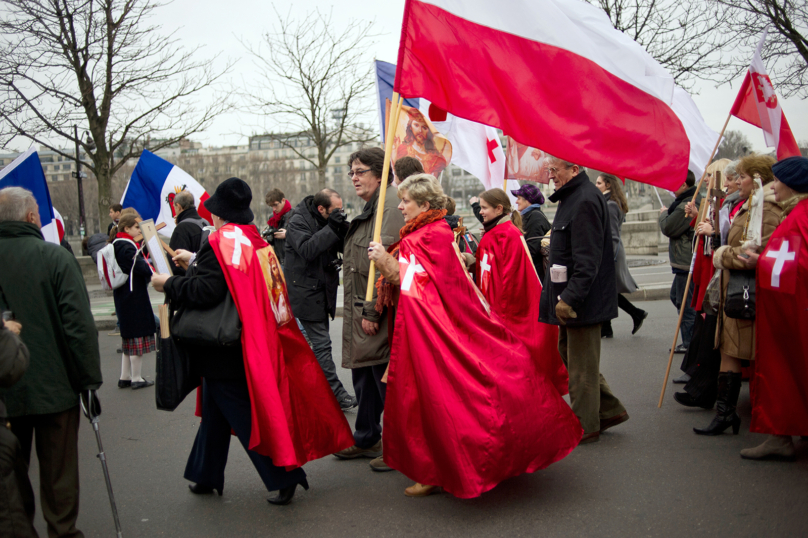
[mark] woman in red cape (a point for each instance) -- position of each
(466, 405)
(507, 277)
(779, 402)
(270, 391)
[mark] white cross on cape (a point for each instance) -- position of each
(781, 257)
(238, 237)
(412, 268)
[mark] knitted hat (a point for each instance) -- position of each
(231, 201)
(793, 171)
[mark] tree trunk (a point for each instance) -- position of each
(104, 179)
(321, 177)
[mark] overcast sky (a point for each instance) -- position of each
(218, 27)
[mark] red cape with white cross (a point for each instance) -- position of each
(780, 401)
(295, 416)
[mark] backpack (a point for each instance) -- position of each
(109, 272)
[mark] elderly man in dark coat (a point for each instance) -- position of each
(314, 236)
(42, 285)
(579, 294)
(188, 232)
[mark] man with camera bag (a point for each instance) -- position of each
(314, 236)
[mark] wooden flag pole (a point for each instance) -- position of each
(702, 209)
(388, 151)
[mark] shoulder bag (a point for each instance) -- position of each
(740, 301)
(218, 325)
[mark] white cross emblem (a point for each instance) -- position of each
(238, 237)
(484, 264)
(412, 268)
(781, 257)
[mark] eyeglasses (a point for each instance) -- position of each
(352, 173)
(555, 170)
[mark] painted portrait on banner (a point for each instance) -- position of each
(276, 285)
(526, 163)
(416, 137)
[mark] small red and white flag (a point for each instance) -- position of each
(758, 105)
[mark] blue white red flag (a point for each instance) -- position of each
(26, 172)
(152, 188)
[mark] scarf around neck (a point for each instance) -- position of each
(491, 224)
(275, 219)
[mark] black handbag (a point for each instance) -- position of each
(174, 380)
(740, 301)
(216, 326)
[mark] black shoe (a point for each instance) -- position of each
(606, 330)
(689, 401)
(124, 383)
(348, 403)
(141, 384)
(729, 387)
(638, 319)
(681, 348)
(285, 494)
(199, 489)
(682, 379)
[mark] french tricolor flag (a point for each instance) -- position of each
(555, 75)
(152, 188)
(26, 172)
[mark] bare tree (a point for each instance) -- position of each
(734, 146)
(786, 49)
(688, 37)
(313, 81)
(100, 65)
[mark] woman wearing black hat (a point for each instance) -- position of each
(240, 390)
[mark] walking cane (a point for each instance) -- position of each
(92, 410)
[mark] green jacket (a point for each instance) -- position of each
(676, 227)
(42, 285)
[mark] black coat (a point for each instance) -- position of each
(311, 276)
(534, 226)
(279, 245)
(187, 234)
(134, 308)
(95, 243)
(582, 242)
(204, 286)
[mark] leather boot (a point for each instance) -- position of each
(778, 447)
(729, 387)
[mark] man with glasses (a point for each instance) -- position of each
(365, 332)
(580, 293)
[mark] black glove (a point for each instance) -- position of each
(338, 222)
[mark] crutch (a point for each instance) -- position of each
(92, 410)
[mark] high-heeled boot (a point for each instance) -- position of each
(285, 494)
(729, 387)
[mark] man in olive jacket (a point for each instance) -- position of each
(41, 283)
(366, 333)
(583, 298)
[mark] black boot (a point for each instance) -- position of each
(689, 401)
(729, 387)
(638, 317)
(285, 494)
(606, 330)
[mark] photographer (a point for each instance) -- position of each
(275, 232)
(314, 236)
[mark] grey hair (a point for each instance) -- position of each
(16, 203)
(423, 188)
(730, 170)
(567, 163)
(184, 199)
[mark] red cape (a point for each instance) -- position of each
(780, 398)
(508, 279)
(466, 406)
(295, 416)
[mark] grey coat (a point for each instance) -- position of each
(359, 349)
(623, 279)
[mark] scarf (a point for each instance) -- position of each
(124, 235)
(489, 225)
(791, 203)
(385, 289)
(679, 199)
(275, 219)
(530, 208)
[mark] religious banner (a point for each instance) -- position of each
(415, 136)
(524, 162)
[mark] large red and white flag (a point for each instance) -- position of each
(757, 104)
(555, 75)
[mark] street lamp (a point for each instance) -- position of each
(79, 175)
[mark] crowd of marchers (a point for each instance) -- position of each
(467, 344)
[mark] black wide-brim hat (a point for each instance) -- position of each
(231, 201)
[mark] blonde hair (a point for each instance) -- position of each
(423, 188)
(496, 197)
(719, 166)
(125, 212)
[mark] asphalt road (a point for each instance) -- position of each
(648, 477)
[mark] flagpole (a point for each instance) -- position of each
(702, 209)
(395, 110)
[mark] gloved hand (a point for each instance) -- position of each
(338, 222)
(564, 312)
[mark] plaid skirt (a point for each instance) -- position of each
(138, 346)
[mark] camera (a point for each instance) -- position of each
(334, 265)
(268, 233)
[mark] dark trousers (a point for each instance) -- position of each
(677, 294)
(16, 495)
(370, 392)
(320, 340)
(226, 406)
(702, 361)
(590, 396)
(624, 305)
(57, 438)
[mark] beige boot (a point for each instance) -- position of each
(774, 447)
(420, 490)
